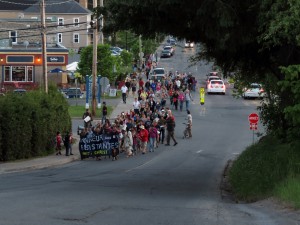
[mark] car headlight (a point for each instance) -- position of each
(192, 44)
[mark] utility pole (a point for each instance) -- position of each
(94, 68)
(44, 45)
(101, 25)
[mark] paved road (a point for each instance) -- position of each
(174, 185)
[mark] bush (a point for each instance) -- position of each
(29, 123)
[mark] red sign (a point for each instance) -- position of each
(253, 118)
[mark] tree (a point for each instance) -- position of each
(105, 61)
(255, 38)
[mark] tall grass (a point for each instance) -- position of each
(289, 191)
(262, 167)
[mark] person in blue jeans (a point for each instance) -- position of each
(188, 99)
(152, 138)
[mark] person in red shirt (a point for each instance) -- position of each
(143, 136)
(141, 83)
(58, 143)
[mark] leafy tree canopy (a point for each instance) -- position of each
(257, 39)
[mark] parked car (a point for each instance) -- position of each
(254, 91)
(114, 53)
(216, 86)
(170, 48)
(74, 93)
(172, 42)
(165, 54)
(20, 91)
(116, 48)
(158, 71)
(157, 74)
(157, 77)
(189, 44)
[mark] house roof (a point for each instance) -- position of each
(52, 6)
(16, 5)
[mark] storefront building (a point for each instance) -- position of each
(22, 68)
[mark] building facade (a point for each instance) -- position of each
(67, 29)
(21, 66)
(67, 22)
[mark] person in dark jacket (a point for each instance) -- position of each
(170, 121)
(67, 143)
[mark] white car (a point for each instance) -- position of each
(216, 86)
(254, 91)
(158, 71)
(209, 78)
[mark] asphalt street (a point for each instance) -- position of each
(174, 185)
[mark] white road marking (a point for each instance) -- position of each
(199, 151)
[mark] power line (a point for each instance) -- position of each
(55, 22)
(39, 27)
(35, 35)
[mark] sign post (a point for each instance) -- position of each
(253, 120)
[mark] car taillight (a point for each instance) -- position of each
(211, 86)
(222, 86)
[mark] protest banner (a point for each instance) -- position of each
(96, 145)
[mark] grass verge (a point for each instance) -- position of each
(77, 111)
(267, 168)
(289, 191)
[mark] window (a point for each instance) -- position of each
(18, 73)
(29, 73)
(7, 73)
(13, 36)
(76, 22)
(60, 22)
(59, 38)
(76, 38)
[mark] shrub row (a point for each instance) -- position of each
(29, 123)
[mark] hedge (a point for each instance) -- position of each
(29, 123)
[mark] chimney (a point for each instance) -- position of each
(84, 3)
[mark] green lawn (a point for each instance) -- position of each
(77, 111)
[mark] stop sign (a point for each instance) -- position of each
(253, 118)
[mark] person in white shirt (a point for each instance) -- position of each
(124, 90)
(136, 106)
(178, 83)
(190, 122)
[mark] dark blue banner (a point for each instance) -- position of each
(94, 145)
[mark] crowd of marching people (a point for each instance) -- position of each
(150, 122)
